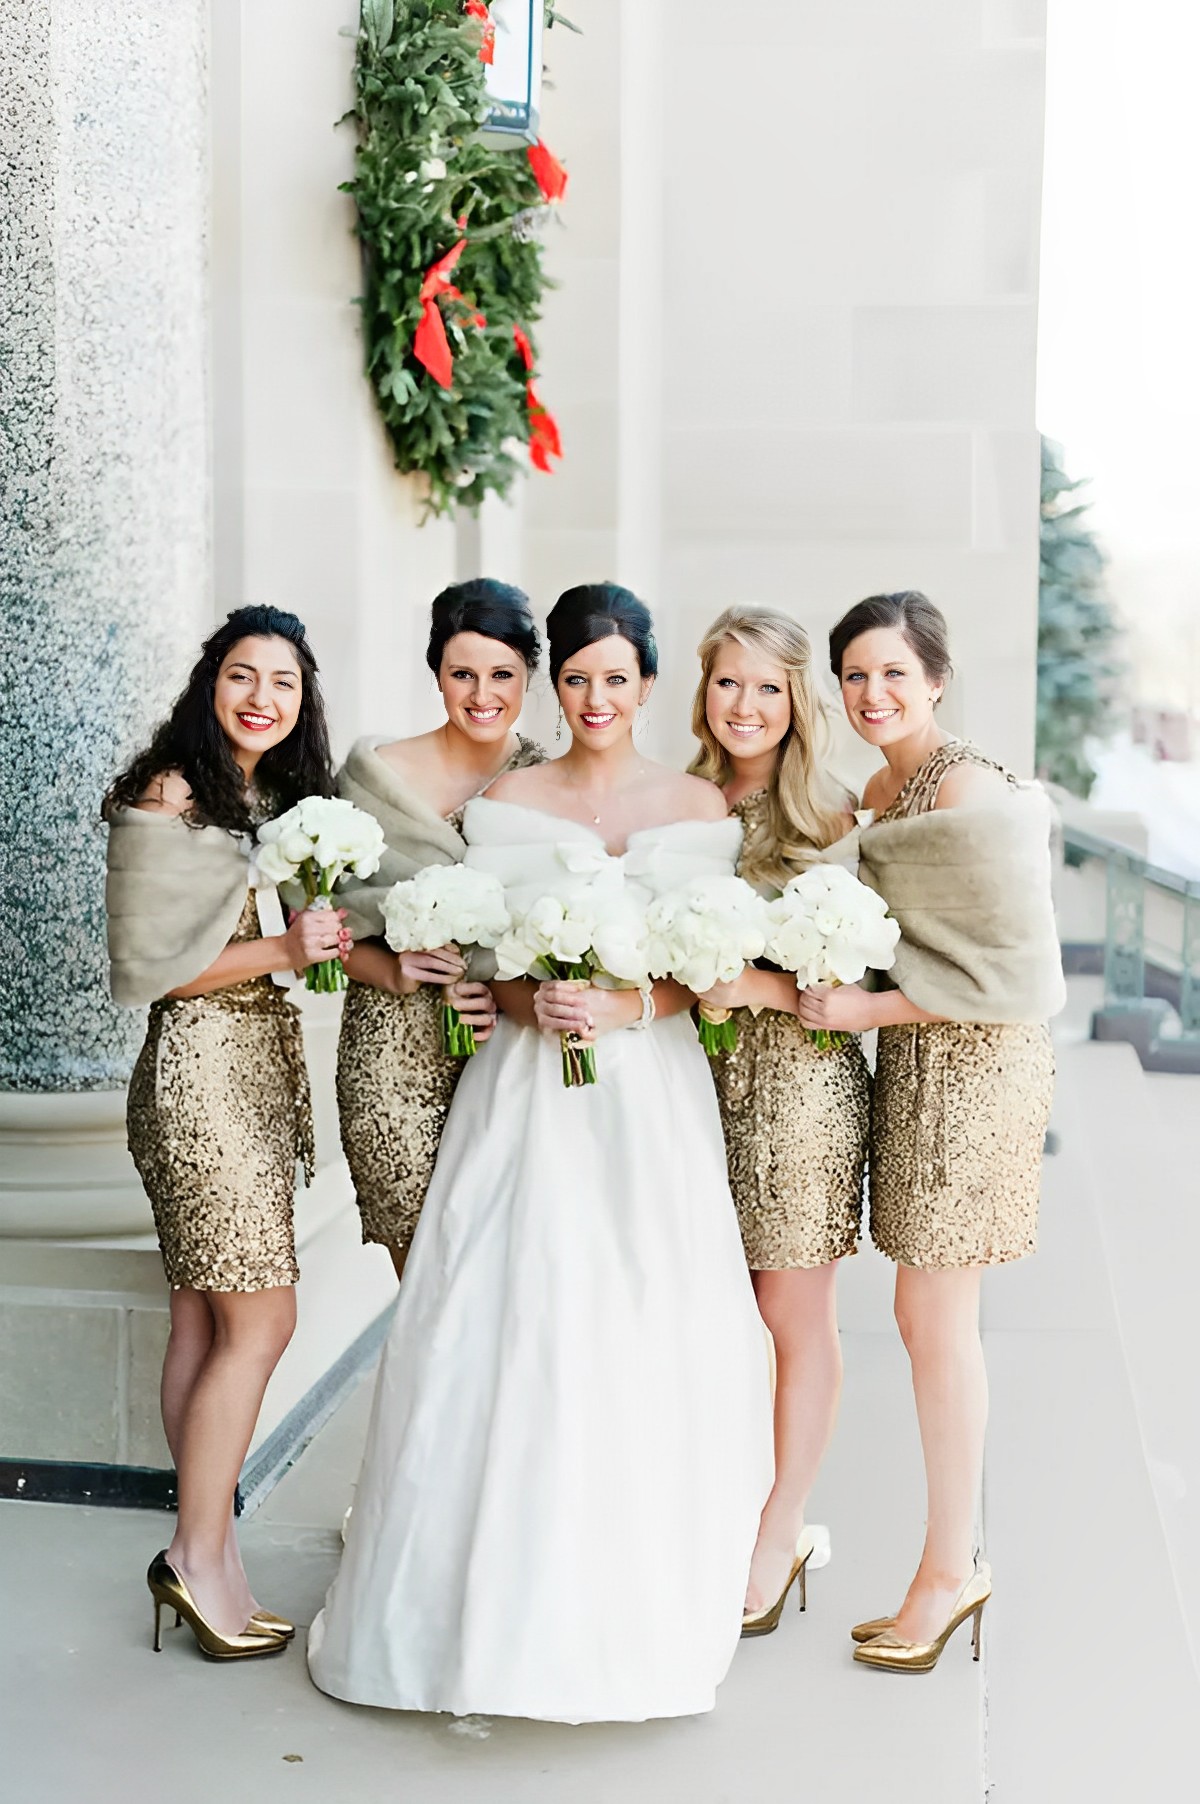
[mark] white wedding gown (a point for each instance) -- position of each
(571, 1437)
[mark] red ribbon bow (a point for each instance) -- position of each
(544, 439)
(431, 347)
(548, 172)
(475, 9)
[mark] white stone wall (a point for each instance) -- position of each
(309, 512)
(847, 313)
(104, 518)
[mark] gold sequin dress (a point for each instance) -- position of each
(959, 1115)
(394, 1090)
(795, 1123)
(218, 1115)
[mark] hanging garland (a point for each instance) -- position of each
(452, 263)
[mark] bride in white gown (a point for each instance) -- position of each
(570, 1443)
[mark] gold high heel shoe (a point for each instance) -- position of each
(867, 1631)
(273, 1625)
(268, 1624)
(890, 1654)
(764, 1622)
(170, 1593)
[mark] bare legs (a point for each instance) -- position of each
(800, 1309)
(938, 1316)
(214, 1377)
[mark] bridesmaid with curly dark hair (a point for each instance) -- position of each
(218, 1107)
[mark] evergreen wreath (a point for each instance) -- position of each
(452, 262)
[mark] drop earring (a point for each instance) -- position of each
(559, 728)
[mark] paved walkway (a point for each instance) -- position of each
(1087, 1689)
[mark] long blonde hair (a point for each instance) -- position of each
(804, 807)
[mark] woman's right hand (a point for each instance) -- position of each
(314, 935)
(444, 965)
(564, 1007)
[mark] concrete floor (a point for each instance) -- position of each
(1087, 1689)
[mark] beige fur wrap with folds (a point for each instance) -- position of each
(970, 888)
(416, 836)
(174, 895)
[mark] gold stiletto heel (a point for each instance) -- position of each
(765, 1622)
(890, 1653)
(169, 1592)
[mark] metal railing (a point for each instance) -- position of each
(1152, 937)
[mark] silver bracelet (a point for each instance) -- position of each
(647, 1015)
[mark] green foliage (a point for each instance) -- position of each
(420, 167)
(1078, 669)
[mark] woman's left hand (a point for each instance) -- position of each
(844, 1008)
(566, 1007)
(476, 1007)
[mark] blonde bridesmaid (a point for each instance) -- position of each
(394, 1081)
(961, 852)
(795, 1119)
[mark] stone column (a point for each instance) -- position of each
(104, 587)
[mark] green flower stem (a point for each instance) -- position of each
(458, 1036)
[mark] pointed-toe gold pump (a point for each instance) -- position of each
(765, 1622)
(274, 1625)
(170, 1593)
(867, 1631)
(889, 1653)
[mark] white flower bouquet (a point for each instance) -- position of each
(446, 905)
(704, 933)
(828, 927)
(314, 843)
(587, 932)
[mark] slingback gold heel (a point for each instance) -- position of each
(765, 1622)
(170, 1593)
(889, 1653)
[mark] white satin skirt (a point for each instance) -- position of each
(571, 1437)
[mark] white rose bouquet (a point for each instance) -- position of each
(589, 932)
(828, 927)
(704, 933)
(314, 843)
(446, 905)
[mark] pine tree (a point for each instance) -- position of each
(1078, 669)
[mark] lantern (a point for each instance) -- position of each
(514, 76)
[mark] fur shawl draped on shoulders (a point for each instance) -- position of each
(416, 834)
(970, 888)
(174, 895)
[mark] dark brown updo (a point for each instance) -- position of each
(492, 609)
(914, 617)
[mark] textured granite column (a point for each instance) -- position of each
(104, 481)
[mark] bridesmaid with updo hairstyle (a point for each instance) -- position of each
(960, 851)
(394, 1081)
(218, 1108)
(795, 1119)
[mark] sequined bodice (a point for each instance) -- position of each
(920, 792)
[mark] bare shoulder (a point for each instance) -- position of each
(406, 756)
(168, 793)
(524, 785)
(691, 798)
(873, 794)
(969, 785)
